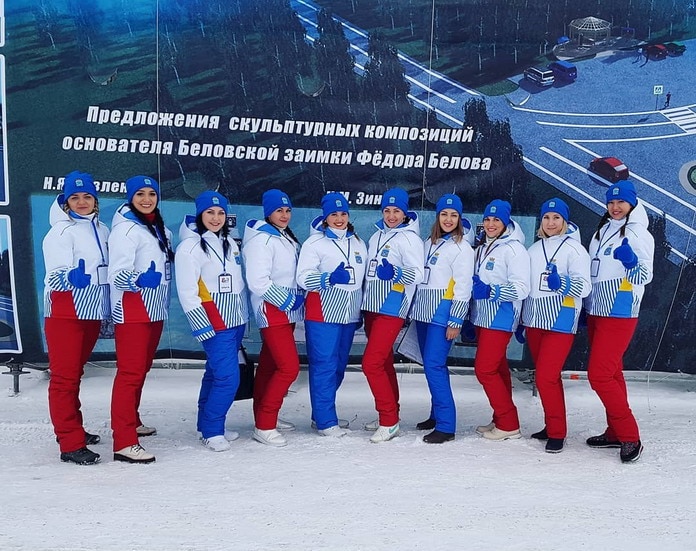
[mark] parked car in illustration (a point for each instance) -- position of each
(539, 75)
(675, 49)
(564, 70)
(609, 168)
(656, 51)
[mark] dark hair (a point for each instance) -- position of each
(350, 227)
(156, 229)
(605, 218)
(286, 230)
(224, 232)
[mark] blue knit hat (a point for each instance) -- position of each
(136, 183)
(333, 202)
(209, 199)
(449, 201)
(79, 182)
(395, 197)
(623, 190)
(274, 199)
(556, 205)
(498, 209)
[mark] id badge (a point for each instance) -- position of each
(544, 282)
(594, 267)
(426, 275)
(351, 274)
(167, 271)
(103, 274)
(372, 268)
(225, 283)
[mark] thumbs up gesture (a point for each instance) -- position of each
(339, 275)
(150, 279)
(77, 277)
(624, 254)
(385, 271)
(553, 280)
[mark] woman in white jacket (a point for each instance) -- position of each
(331, 268)
(440, 305)
(394, 268)
(140, 271)
(560, 276)
(213, 296)
(76, 300)
(270, 251)
(621, 253)
(501, 283)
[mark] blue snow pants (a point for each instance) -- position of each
(434, 348)
(220, 380)
(328, 348)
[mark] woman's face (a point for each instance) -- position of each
(145, 200)
(338, 220)
(82, 203)
(552, 223)
(280, 218)
(493, 226)
(214, 219)
(618, 209)
(393, 217)
(449, 220)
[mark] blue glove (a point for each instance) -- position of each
(385, 271)
(77, 276)
(519, 334)
(298, 302)
(481, 290)
(339, 275)
(468, 331)
(624, 254)
(150, 279)
(553, 280)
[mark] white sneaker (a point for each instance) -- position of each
(336, 431)
(496, 434)
(133, 454)
(231, 435)
(485, 428)
(142, 430)
(343, 423)
(216, 443)
(270, 437)
(383, 434)
(372, 426)
(282, 424)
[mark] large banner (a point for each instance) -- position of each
(513, 100)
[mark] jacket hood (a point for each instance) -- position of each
(188, 228)
(412, 225)
(513, 232)
(256, 227)
(638, 217)
(573, 231)
(56, 214)
(124, 214)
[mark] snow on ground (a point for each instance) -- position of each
(348, 494)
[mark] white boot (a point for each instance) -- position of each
(231, 435)
(270, 437)
(133, 454)
(142, 430)
(485, 428)
(282, 424)
(343, 423)
(336, 431)
(496, 434)
(383, 434)
(216, 443)
(372, 426)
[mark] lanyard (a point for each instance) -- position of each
(221, 259)
(480, 258)
(603, 242)
(162, 240)
(379, 241)
(543, 246)
(431, 252)
(96, 236)
(287, 238)
(347, 256)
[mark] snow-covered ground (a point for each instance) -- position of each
(348, 494)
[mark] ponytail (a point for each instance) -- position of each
(159, 233)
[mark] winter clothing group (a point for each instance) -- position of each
(487, 287)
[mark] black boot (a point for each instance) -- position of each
(541, 435)
(601, 441)
(83, 456)
(437, 437)
(428, 424)
(90, 439)
(554, 445)
(630, 451)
